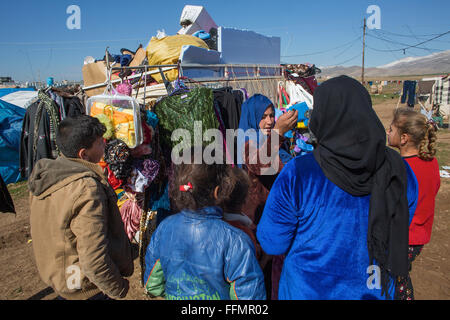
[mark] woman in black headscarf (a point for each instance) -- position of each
(341, 214)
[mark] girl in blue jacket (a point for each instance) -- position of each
(194, 254)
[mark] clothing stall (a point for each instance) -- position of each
(140, 170)
(141, 98)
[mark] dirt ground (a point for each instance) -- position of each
(20, 280)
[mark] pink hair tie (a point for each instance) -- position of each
(433, 123)
(186, 187)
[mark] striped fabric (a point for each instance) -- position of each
(441, 91)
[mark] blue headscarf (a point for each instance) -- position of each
(252, 111)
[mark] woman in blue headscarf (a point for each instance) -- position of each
(260, 152)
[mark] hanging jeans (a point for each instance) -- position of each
(409, 89)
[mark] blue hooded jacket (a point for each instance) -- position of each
(195, 255)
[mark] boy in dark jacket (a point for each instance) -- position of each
(79, 242)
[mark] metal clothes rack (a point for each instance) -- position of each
(253, 72)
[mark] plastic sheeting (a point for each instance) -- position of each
(20, 98)
(5, 91)
(11, 118)
(167, 51)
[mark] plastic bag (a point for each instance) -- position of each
(121, 114)
(161, 34)
(167, 51)
(297, 94)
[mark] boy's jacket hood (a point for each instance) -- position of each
(51, 175)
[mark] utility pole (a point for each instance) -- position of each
(364, 44)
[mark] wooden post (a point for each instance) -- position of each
(364, 44)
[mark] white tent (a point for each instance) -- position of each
(20, 98)
(440, 95)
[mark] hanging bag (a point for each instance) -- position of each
(120, 114)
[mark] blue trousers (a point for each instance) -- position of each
(409, 89)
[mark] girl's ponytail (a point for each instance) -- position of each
(421, 131)
(427, 147)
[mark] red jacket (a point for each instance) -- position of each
(427, 174)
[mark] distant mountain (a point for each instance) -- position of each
(434, 63)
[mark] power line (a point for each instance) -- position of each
(438, 36)
(407, 36)
(417, 38)
(407, 46)
(324, 51)
(65, 42)
(347, 48)
(397, 43)
(348, 60)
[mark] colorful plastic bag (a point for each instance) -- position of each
(167, 51)
(123, 116)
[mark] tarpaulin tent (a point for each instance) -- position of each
(20, 97)
(11, 117)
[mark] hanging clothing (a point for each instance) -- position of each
(119, 159)
(181, 111)
(311, 82)
(229, 102)
(41, 120)
(53, 112)
(59, 102)
(74, 103)
(131, 212)
(223, 131)
(409, 90)
(441, 91)
(44, 148)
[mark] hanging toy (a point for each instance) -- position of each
(103, 118)
(125, 88)
(303, 117)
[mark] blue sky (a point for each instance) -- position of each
(35, 42)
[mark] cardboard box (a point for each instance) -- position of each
(95, 73)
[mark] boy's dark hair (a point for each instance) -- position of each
(238, 183)
(75, 133)
(233, 186)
